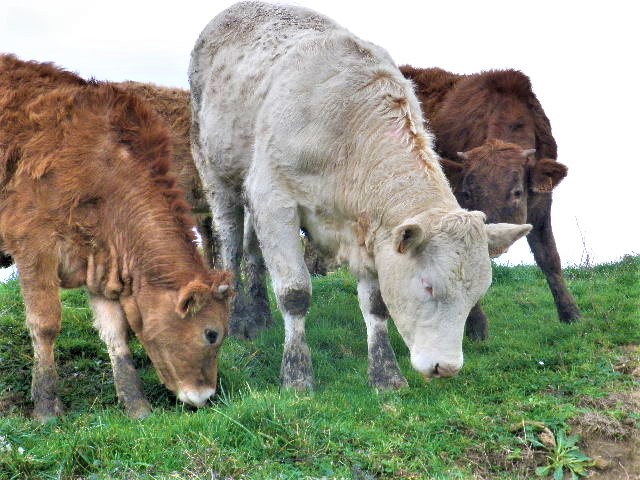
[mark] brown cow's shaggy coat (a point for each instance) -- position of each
(487, 126)
(86, 199)
(174, 106)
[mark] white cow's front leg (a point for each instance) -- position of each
(384, 372)
(112, 325)
(277, 225)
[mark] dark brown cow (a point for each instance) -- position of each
(500, 157)
(86, 199)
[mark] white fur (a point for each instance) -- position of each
(197, 398)
(319, 129)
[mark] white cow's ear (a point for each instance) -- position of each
(502, 235)
(407, 237)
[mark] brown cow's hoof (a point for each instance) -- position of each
(138, 409)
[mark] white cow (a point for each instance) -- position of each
(316, 128)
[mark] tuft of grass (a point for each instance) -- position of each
(532, 369)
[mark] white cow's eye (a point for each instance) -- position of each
(427, 287)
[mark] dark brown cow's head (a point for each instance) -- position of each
(498, 178)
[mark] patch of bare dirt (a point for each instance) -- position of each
(613, 442)
(629, 362)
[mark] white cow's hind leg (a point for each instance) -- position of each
(384, 372)
(277, 225)
(112, 326)
(257, 302)
(228, 211)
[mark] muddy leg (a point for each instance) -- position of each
(545, 252)
(477, 327)
(384, 372)
(228, 212)
(275, 218)
(112, 326)
(43, 312)
(257, 308)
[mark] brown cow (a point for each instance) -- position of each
(86, 199)
(500, 157)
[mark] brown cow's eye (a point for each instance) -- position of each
(211, 335)
(466, 196)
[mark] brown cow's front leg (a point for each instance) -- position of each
(477, 327)
(43, 311)
(545, 253)
(112, 326)
(384, 371)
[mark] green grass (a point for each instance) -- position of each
(532, 369)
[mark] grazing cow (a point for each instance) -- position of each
(85, 199)
(318, 130)
(500, 157)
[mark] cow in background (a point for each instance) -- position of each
(500, 157)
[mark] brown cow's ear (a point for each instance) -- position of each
(407, 237)
(192, 297)
(546, 174)
(221, 287)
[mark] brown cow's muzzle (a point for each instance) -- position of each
(196, 397)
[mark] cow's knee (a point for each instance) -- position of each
(295, 300)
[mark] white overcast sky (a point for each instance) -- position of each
(583, 59)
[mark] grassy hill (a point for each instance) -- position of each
(512, 409)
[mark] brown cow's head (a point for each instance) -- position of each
(182, 331)
(498, 177)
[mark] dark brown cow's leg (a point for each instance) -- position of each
(111, 323)
(43, 311)
(545, 253)
(477, 327)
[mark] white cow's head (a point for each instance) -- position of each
(432, 270)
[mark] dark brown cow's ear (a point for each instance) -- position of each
(192, 297)
(546, 174)
(222, 285)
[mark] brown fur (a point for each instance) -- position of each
(494, 118)
(174, 106)
(86, 198)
